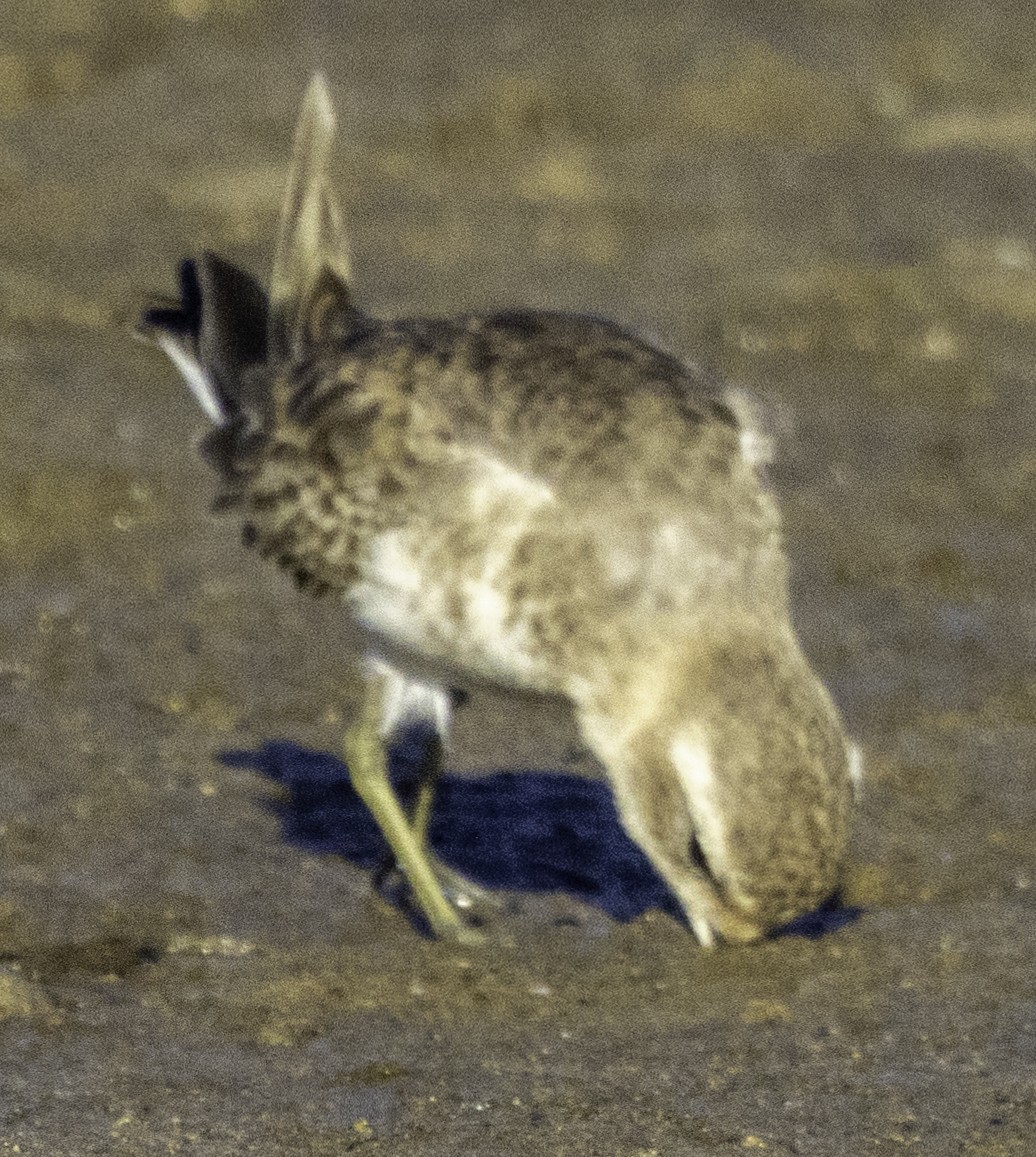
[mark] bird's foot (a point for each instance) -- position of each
(473, 903)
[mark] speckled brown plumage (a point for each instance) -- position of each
(538, 500)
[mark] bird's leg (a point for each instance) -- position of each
(433, 760)
(464, 893)
(368, 767)
(431, 770)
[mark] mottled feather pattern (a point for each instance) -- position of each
(536, 500)
(381, 432)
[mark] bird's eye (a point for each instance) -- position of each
(696, 854)
(698, 858)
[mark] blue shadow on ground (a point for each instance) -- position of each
(513, 831)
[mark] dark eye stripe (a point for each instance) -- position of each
(696, 854)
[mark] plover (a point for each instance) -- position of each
(537, 500)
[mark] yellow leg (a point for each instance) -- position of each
(464, 893)
(421, 815)
(365, 755)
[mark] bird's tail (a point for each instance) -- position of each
(214, 334)
(225, 325)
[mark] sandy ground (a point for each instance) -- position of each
(834, 207)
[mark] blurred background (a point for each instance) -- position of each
(830, 204)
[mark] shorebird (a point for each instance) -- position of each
(538, 500)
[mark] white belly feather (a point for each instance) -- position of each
(465, 615)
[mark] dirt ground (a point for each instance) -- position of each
(833, 205)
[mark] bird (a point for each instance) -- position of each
(533, 500)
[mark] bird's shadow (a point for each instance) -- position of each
(508, 831)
